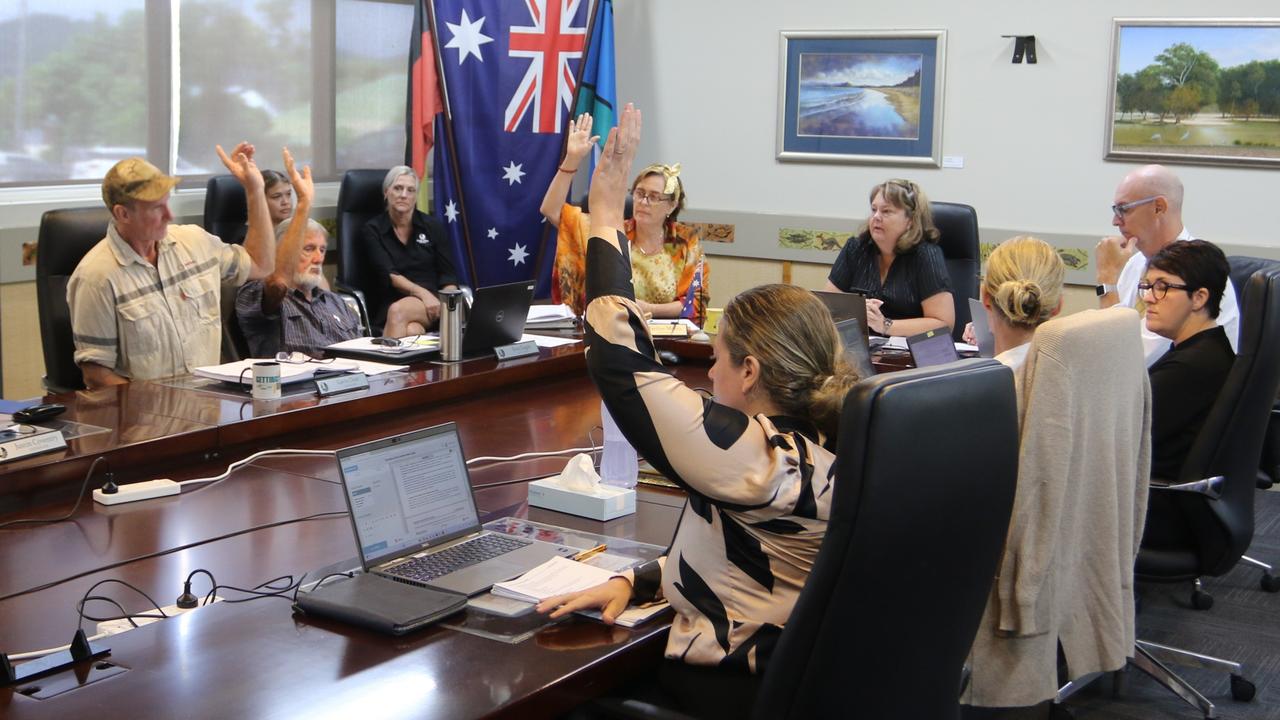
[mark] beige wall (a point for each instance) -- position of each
(23, 362)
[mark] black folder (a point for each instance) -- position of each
(379, 603)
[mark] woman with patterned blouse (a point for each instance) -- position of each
(754, 460)
(895, 261)
(668, 270)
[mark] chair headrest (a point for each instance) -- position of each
(361, 192)
(66, 235)
(957, 228)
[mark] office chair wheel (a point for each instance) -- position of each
(1201, 600)
(1270, 583)
(1242, 689)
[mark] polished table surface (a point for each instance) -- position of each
(256, 659)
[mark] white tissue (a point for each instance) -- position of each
(579, 475)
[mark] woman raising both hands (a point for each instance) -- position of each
(754, 461)
(669, 271)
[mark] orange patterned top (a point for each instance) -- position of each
(659, 278)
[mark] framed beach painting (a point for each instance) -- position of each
(870, 97)
(1203, 91)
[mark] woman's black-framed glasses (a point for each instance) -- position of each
(1160, 288)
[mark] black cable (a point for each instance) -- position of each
(319, 582)
(170, 551)
(88, 593)
(83, 487)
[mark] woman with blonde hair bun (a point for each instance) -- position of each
(1021, 289)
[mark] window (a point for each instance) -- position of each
(85, 83)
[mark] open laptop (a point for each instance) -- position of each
(415, 518)
(982, 329)
(853, 335)
(844, 306)
(932, 347)
(497, 317)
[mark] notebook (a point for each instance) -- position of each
(932, 347)
(415, 518)
(981, 329)
(497, 317)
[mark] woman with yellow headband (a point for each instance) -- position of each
(669, 273)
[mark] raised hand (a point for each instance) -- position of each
(303, 186)
(609, 183)
(241, 164)
(580, 140)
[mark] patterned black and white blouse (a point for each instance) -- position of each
(759, 487)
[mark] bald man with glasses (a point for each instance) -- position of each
(1147, 211)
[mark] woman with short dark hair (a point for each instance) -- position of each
(1183, 293)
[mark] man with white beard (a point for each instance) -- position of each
(292, 310)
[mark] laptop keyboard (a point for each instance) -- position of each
(464, 554)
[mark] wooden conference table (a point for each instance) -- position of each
(255, 659)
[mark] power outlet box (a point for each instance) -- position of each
(111, 627)
(132, 492)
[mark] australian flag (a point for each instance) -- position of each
(508, 70)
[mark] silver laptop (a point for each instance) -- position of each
(981, 329)
(415, 517)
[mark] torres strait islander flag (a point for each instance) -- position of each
(508, 69)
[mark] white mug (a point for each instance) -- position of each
(266, 380)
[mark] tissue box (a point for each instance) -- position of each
(606, 503)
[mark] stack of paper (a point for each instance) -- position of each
(242, 370)
(556, 576)
(550, 317)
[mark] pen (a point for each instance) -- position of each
(590, 553)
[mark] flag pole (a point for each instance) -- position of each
(449, 138)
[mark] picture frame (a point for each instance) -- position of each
(861, 96)
(1202, 91)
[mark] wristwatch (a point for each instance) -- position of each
(888, 323)
(1105, 288)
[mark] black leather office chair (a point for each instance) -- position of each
(64, 238)
(1220, 512)
(225, 209)
(868, 637)
(360, 199)
(1242, 268)
(958, 228)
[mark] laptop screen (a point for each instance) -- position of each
(933, 347)
(407, 491)
(856, 350)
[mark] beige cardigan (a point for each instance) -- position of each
(1067, 572)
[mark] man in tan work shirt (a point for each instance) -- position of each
(145, 301)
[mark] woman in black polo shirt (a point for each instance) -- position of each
(410, 250)
(895, 260)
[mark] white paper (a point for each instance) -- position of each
(422, 342)
(371, 368)
(966, 347)
(545, 341)
(556, 576)
(897, 342)
(549, 313)
(289, 372)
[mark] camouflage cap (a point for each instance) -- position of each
(135, 179)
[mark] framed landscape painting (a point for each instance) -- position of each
(862, 96)
(1203, 91)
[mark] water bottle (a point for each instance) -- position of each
(451, 325)
(618, 466)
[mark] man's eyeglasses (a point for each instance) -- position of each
(652, 198)
(297, 358)
(1160, 288)
(1123, 209)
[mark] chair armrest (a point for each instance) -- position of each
(1209, 487)
(625, 709)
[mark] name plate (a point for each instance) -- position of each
(21, 446)
(342, 383)
(516, 350)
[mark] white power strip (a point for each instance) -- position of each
(111, 627)
(132, 492)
